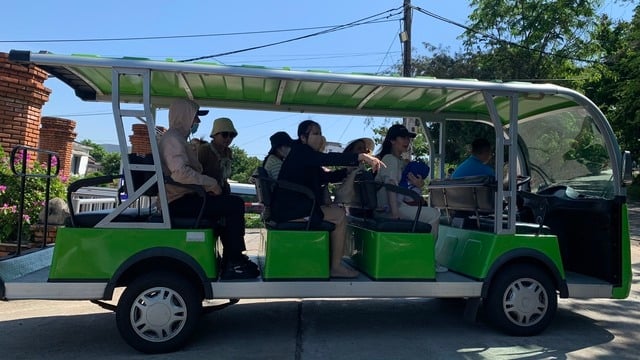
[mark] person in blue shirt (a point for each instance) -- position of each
(476, 163)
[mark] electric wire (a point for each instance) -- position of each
(326, 31)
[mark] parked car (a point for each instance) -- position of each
(248, 193)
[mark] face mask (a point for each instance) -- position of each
(194, 128)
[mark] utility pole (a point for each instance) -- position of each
(405, 38)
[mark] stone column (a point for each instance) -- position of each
(57, 134)
(140, 138)
(22, 95)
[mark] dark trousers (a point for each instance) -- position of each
(226, 214)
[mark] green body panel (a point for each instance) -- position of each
(296, 255)
(625, 256)
(472, 252)
(95, 254)
(393, 256)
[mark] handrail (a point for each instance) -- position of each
(23, 151)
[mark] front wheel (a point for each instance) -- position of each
(522, 300)
(158, 312)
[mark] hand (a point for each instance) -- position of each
(373, 161)
(415, 180)
(214, 189)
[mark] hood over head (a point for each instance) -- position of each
(181, 115)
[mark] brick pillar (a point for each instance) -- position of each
(22, 94)
(140, 138)
(57, 135)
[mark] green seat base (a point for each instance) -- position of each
(394, 256)
(296, 255)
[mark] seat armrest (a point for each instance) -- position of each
(199, 189)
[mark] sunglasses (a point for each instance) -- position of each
(227, 134)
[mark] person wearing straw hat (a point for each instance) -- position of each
(216, 156)
(180, 163)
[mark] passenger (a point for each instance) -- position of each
(418, 169)
(360, 146)
(345, 192)
(216, 156)
(476, 163)
(303, 166)
(180, 162)
(280, 147)
(396, 143)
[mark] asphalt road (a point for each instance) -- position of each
(332, 329)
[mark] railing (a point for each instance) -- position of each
(19, 156)
(101, 198)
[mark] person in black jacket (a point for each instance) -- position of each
(303, 166)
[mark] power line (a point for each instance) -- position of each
(138, 38)
(333, 29)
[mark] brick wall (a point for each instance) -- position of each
(140, 138)
(57, 134)
(22, 95)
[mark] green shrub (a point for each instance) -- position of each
(253, 221)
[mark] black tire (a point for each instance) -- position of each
(522, 300)
(158, 312)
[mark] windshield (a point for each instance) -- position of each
(566, 148)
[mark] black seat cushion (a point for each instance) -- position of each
(300, 225)
(394, 225)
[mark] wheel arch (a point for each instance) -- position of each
(526, 256)
(159, 258)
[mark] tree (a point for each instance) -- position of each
(110, 162)
(530, 39)
(614, 83)
(242, 166)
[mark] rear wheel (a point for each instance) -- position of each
(522, 300)
(158, 312)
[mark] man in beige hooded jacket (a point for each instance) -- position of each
(180, 162)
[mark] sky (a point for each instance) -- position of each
(72, 27)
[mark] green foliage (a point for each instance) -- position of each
(587, 151)
(530, 39)
(613, 84)
(97, 151)
(34, 196)
(110, 162)
(252, 221)
(242, 166)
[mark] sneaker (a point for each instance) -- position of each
(243, 260)
(240, 270)
(441, 269)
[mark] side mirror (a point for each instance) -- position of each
(627, 169)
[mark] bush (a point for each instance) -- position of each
(34, 196)
(253, 221)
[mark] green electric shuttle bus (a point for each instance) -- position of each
(555, 227)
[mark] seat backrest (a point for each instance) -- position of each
(366, 189)
(264, 188)
(473, 193)
(140, 177)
